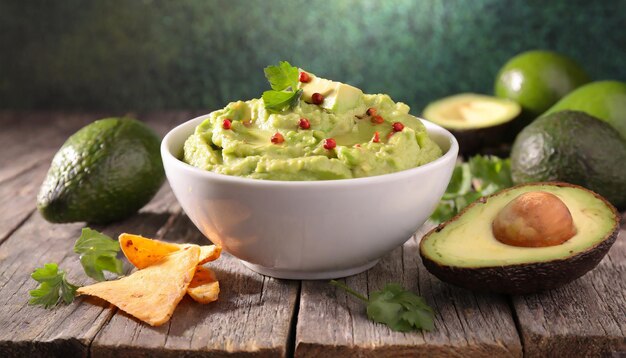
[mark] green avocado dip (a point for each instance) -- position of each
(328, 130)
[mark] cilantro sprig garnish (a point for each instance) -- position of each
(53, 287)
(97, 254)
(480, 176)
(399, 309)
(284, 82)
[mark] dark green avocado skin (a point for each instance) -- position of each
(105, 172)
(521, 279)
(573, 147)
(482, 140)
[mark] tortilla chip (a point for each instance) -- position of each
(204, 287)
(143, 252)
(151, 294)
(209, 253)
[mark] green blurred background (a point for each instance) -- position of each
(139, 55)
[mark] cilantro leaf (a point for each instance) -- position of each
(53, 287)
(278, 101)
(460, 183)
(284, 81)
(480, 176)
(490, 173)
(283, 76)
(399, 309)
(97, 254)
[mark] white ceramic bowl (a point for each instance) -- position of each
(312, 229)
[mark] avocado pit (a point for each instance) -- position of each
(464, 251)
(534, 219)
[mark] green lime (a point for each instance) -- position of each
(538, 79)
(605, 100)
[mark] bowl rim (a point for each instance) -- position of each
(166, 155)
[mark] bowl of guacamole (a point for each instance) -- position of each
(313, 180)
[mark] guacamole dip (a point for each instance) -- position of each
(331, 130)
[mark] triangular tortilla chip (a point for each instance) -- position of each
(143, 252)
(209, 253)
(204, 287)
(151, 294)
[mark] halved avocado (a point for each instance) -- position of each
(465, 252)
(477, 121)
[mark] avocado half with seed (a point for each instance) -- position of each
(477, 121)
(472, 250)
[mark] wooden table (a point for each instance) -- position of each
(262, 316)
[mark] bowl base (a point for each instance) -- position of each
(309, 275)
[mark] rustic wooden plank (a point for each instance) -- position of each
(252, 316)
(467, 324)
(18, 196)
(31, 137)
(29, 140)
(66, 330)
(586, 318)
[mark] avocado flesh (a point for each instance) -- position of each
(477, 121)
(338, 97)
(464, 252)
(469, 242)
(469, 111)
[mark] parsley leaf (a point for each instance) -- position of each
(283, 76)
(52, 287)
(480, 176)
(284, 81)
(399, 309)
(97, 254)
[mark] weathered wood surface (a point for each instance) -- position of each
(252, 316)
(586, 318)
(30, 138)
(29, 141)
(259, 316)
(30, 241)
(466, 324)
(32, 330)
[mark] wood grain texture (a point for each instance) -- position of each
(586, 318)
(31, 138)
(252, 316)
(29, 141)
(66, 330)
(466, 325)
(18, 196)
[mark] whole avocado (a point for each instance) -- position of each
(104, 172)
(605, 100)
(538, 79)
(573, 147)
